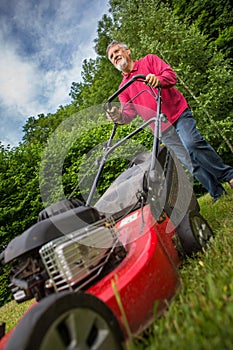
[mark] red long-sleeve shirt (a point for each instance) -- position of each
(144, 104)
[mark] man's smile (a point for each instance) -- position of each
(117, 59)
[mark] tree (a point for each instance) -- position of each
(214, 18)
(20, 198)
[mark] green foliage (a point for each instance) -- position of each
(217, 98)
(5, 295)
(38, 129)
(19, 190)
(104, 29)
(20, 198)
(214, 18)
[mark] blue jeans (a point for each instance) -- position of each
(207, 166)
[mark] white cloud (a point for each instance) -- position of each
(42, 47)
(18, 80)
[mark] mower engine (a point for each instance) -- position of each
(71, 262)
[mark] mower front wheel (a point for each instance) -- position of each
(68, 321)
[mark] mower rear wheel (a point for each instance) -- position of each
(194, 233)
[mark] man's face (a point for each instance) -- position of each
(119, 57)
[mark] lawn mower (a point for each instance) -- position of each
(100, 273)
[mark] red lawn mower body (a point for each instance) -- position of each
(118, 258)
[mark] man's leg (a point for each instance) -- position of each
(173, 142)
(208, 166)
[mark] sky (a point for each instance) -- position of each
(42, 46)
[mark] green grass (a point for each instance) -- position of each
(201, 316)
(11, 313)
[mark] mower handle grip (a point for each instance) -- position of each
(134, 78)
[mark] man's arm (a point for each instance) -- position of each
(165, 75)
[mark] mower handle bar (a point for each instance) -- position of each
(116, 93)
(110, 148)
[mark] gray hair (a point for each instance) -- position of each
(116, 42)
